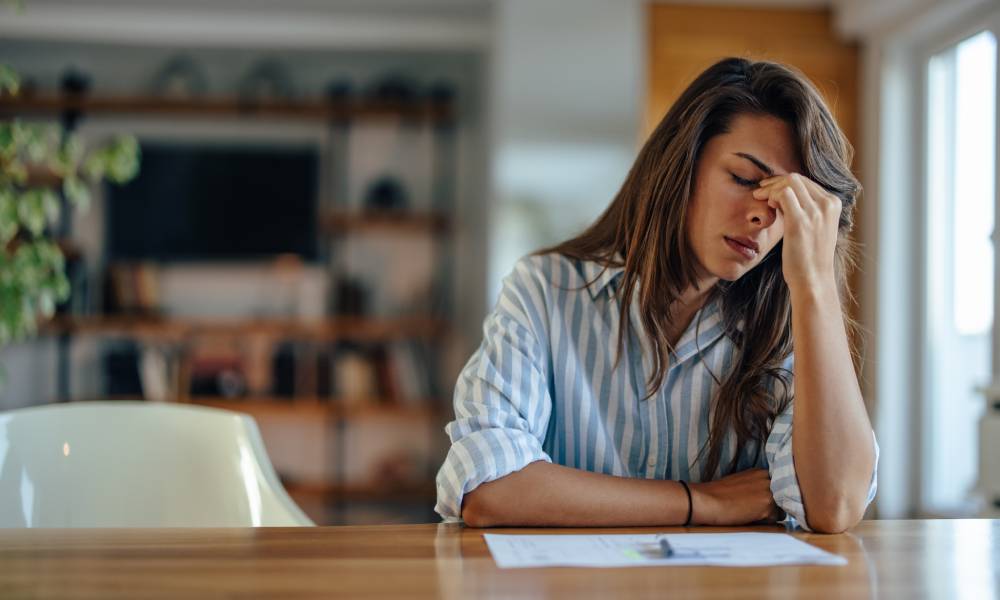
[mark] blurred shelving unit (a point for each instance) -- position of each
(313, 110)
(333, 497)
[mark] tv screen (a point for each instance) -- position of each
(210, 202)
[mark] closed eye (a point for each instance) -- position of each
(749, 183)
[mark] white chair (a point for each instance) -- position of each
(137, 464)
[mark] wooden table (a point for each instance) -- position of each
(896, 559)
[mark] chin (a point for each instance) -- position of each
(730, 272)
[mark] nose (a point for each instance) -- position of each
(761, 215)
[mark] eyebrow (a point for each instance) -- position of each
(760, 164)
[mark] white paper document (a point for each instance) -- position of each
(745, 549)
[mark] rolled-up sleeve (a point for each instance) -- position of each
(781, 466)
(502, 403)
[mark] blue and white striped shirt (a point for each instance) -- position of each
(541, 387)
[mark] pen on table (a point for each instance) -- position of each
(666, 548)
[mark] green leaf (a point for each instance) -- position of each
(61, 285)
(9, 80)
(77, 192)
(66, 159)
(50, 205)
(8, 145)
(15, 171)
(47, 303)
(125, 161)
(94, 167)
(31, 211)
(37, 143)
(71, 151)
(9, 224)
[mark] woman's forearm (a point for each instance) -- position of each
(545, 494)
(832, 441)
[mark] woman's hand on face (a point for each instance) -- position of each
(811, 216)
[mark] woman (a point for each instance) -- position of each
(642, 373)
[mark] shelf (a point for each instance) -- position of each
(309, 109)
(288, 406)
(284, 406)
(174, 329)
(388, 491)
(257, 406)
(339, 222)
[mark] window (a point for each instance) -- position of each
(959, 256)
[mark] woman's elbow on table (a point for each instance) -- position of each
(837, 518)
(475, 510)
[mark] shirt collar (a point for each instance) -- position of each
(601, 277)
(705, 327)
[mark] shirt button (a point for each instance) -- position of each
(652, 461)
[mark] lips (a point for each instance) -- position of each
(745, 251)
(744, 241)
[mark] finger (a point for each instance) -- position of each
(811, 203)
(810, 193)
(827, 200)
(794, 181)
(781, 196)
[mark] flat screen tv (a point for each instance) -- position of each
(194, 202)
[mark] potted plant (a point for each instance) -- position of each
(44, 170)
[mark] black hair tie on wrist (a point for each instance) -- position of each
(687, 522)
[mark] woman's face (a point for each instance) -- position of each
(723, 212)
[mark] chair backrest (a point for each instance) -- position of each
(137, 464)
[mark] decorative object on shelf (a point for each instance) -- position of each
(386, 390)
(386, 193)
(442, 92)
(283, 370)
(284, 285)
(257, 349)
(180, 78)
(266, 81)
(339, 90)
(354, 375)
(394, 88)
(132, 289)
(409, 373)
(73, 84)
(217, 370)
(157, 373)
(351, 297)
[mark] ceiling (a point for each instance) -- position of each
(342, 23)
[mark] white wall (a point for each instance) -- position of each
(568, 83)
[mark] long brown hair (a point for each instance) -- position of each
(643, 230)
